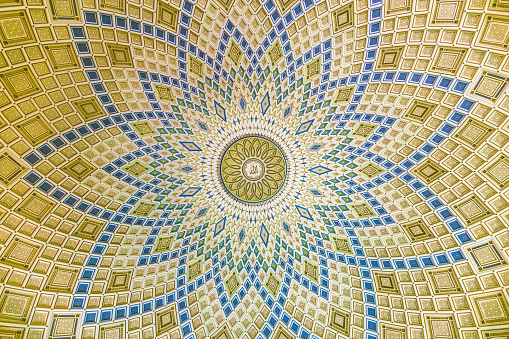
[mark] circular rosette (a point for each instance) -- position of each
(253, 169)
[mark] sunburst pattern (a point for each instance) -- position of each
(253, 169)
(234, 169)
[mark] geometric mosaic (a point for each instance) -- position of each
(261, 169)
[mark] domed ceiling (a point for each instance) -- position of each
(236, 169)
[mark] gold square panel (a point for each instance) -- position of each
(196, 67)
(12, 332)
(472, 209)
(441, 327)
(16, 306)
(89, 108)
(144, 208)
(419, 111)
(234, 53)
(339, 320)
(166, 319)
(486, 256)
(61, 56)
(444, 281)
(281, 332)
(10, 168)
(313, 69)
(232, 283)
(61, 279)
(494, 33)
(399, 7)
(120, 280)
(473, 132)
(79, 168)
(64, 9)
(115, 330)
(389, 58)
(311, 270)
(15, 28)
(21, 253)
(195, 269)
(116, 6)
(163, 244)
(499, 5)
(223, 332)
(342, 245)
(11, 3)
(447, 12)
(429, 171)
(364, 130)
(167, 16)
(164, 93)
(344, 95)
(273, 284)
(120, 55)
(494, 334)
(491, 308)
(343, 18)
(36, 129)
(275, 53)
(283, 5)
(386, 282)
(362, 210)
(393, 332)
(448, 60)
(64, 326)
(417, 230)
(498, 171)
(137, 168)
(144, 128)
(35, 207)
(20, 82)
(490, 86)
(89, 228)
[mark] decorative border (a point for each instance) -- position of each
(220, 161)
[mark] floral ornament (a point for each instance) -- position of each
(253, 169)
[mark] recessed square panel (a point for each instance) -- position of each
(429, 171)
(441, 327)
(16, 306)
(491, 308)
(444, 281)
(494, 33)
(447, 12)
(167, 15)
(417, 230)
(343, 18)
(20, 82)
(389, 58)
(490, 86)
(448, 60)
(339, 320)
(473, 133)
(116, 6)
(15, 28)
(487, 256)
(120, 280)
(89, 108)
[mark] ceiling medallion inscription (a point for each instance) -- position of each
(253, 169)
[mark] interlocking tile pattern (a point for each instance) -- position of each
(255, 169)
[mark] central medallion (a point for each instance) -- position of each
(253, 169)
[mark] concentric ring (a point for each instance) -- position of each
(253, 169)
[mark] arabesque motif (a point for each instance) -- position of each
(253, 169)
